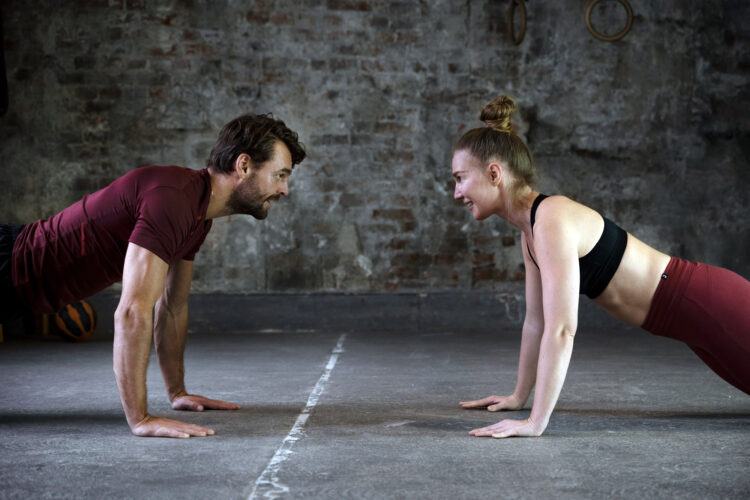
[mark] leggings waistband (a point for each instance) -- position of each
(668, 293)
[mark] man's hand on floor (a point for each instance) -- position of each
(165, 427)
(194, 402)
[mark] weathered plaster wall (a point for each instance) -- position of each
(653, 130)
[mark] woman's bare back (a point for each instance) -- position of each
(628, 295)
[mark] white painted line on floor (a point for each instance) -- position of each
(268, 485)
(399, 424)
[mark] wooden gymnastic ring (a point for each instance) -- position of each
(522, 10)
(616, 36)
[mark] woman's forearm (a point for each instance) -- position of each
(527, 362)
(555, 350)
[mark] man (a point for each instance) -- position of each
(145, 229)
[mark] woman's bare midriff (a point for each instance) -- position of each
(628, 295)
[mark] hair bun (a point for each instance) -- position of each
(496, 114)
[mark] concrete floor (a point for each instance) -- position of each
(639, 417)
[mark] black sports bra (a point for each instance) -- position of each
(600, 264)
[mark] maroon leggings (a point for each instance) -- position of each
(708, 308)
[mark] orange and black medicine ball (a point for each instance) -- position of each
(76, 322)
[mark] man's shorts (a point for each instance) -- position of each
(11, 306)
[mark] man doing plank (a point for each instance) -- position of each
(145, 229)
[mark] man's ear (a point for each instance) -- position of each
(495, 171)
(243, 165)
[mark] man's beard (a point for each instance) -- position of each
(247, 199)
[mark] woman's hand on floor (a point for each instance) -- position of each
(495, 403)
(509, 428)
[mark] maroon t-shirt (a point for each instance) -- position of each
(81, 250)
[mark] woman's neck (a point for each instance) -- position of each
(517, 211)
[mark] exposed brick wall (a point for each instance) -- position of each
(652, 130)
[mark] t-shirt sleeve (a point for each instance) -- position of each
(163, 224)
(190, 254)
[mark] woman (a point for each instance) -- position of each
(569, 249)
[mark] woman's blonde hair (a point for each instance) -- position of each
(499, 142)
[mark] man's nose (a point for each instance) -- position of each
(284, 189)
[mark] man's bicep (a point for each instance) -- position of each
(143, 276)
(179, 279)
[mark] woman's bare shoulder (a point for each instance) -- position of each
(559, 209)
(566, 221)
(562, 201)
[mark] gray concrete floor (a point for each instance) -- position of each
(639, 417)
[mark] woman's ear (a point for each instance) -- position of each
(496, 173)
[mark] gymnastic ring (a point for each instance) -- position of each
(616, 36)
(522, 10)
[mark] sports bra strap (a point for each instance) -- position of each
(534, 206)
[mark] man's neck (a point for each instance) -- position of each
(221, 189)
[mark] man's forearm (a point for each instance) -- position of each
(132, 345)
(170, 335)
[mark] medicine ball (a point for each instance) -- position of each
(76, 322)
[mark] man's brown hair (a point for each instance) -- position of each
(254, 135)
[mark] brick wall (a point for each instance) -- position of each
(651, 130)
